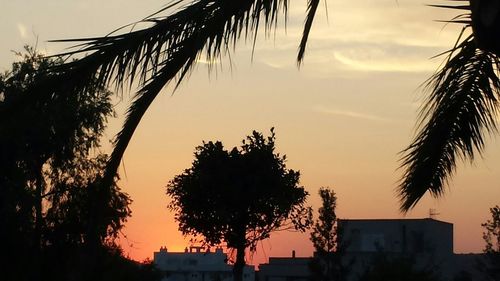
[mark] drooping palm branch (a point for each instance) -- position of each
(462, 107)
(163, 53)
(312, 6)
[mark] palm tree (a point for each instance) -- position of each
(462, 105)
(161, 54)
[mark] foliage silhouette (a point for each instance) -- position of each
(166, 51)
(326, 264)
(452, 122)
(160, 54)
(461, 107)
(492, 231)
(239, 196)
(50, 180)
(490, 265)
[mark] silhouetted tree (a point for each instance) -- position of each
(492, 231)
(239, 196)
(74, 218)
(50, 182)
(490, 265)
(325, 236)
(162, 53)
(114, 266)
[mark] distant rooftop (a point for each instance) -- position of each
(400, 220)
(425, 235)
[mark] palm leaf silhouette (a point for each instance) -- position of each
(461, 108)
(161, 54)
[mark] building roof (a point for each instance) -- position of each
(401, 220)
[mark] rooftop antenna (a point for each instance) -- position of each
(433, 214)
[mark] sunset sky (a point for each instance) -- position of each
(341, 118)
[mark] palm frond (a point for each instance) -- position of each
(155, 56)
(464, 19)
(457, 7)
(164, 52)
(312, 6)
(462, 107)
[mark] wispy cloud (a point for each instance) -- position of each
(351, 114)
(365, 59)
(204, 60)
(276, 64)
(23, 31)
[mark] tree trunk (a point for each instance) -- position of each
(239, 265)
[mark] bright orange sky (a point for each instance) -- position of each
(341, 119)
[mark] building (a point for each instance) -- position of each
(197, 264)
(399, 236)
(285, 269)
(427, 242)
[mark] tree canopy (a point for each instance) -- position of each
(327, 263)
(491, 234)
(324, 234)
(238, 196)
(51, 173)
(490, 264)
